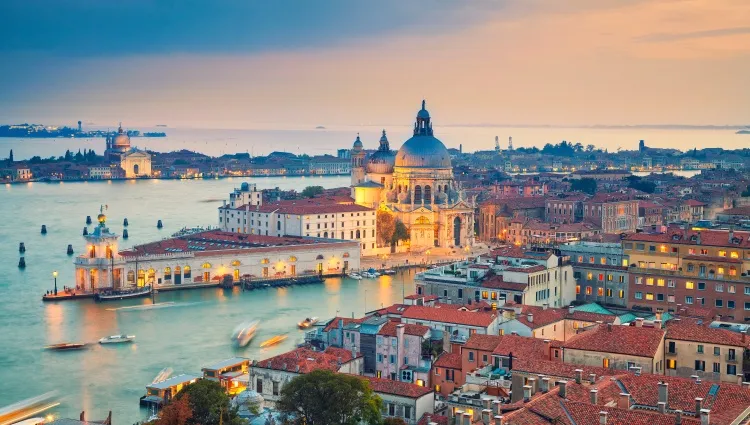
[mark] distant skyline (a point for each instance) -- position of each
(240, 64)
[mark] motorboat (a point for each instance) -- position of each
(123, 294)
(307, 322)
(389, 272)
(355, 275)
(273, 341)
(244, 333)
(117, 339)
(66, 346)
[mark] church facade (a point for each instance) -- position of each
(416, 185)
(119, 152)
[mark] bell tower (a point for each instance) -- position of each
(358, 163)
(101, 266)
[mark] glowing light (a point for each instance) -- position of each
(54, 273)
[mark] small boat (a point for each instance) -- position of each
(307, 322)
(163, 375)
(116, 339)
(123, 294)
(66, 346)
(355, 276)
(31, 421)
(273, 341)
(244, 333)
(389, 272)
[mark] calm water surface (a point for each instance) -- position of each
(191, 334)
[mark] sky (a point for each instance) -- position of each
(289, 63)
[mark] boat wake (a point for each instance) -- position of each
(153, 306)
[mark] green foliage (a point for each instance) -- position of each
(386, 227)
(209, 404)
(562, 149)
(585, 185)
(312, 191)
(400, 232)
(637, 183)
(746, 192)
(323, 397)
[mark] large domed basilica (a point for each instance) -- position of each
(119, 152)
(416, 185)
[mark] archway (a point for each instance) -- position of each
(135, 169)
(427, 193)
(457, 231)
(417, 193)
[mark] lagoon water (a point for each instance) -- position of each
(186, 336)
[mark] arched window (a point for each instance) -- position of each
(206, 265)
(167, 273)
(417, 193)
(358, 234)
(445, 188)
(141, 274)
(399, 188)
(346, 255)
(135, 169)
(131, 276)
(92, 251)
(151, 274)
(292, 259)
(265, 261)
(186, 272)
(177, 270)
(325, 235)
(319, 257)
(236, 263)
(427, 193)
(108, 252)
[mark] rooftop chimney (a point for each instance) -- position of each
(468, 418)
(663, 392)
(624, 402)
(602, 418)
(594, 396)
(579, 376)
(486, 416)
(571, 309)
(530, 317)
(498, 420)
(563, 388)
(544, 306)
(678, 417)
(592, 378)
(746, 385)
(698, 406)
(639, 322)
(545, 384)
(532, 384)
(661, 407)
(657, 324)
(705, 417)
(526, 392)
(496, 407)
(486, 403)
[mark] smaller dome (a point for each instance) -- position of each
(423, 112)
(122, 140)
(246, 399)
(358, 143)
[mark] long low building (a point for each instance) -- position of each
(206, 257)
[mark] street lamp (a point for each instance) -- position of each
(54, 275)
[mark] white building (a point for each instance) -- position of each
(100, 266)
(135, 162)
(103, 173)
(330, 165)
(315, 218)
(403, 399)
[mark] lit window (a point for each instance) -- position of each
(600, 292)
(588, 290)
(734, 254)
(590, 276)
(689, 285)
(621, 293)
(650, 281)
(722, 253)
(660, 282)
(649, 296)
(663, 248)
(578, 289)
(605, 362)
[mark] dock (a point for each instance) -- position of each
(63, 296)
(276, 282)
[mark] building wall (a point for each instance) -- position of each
(686, 353)
(410, 348)
(418, 407)
(616, 361)
(440, 382)
(602, 284)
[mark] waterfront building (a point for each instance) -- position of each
(324, 218)
(606, 175)
(416, 185)
(160, 393)
(206, 257)
(403, 400)
(21, 173)
(329, 165)
(685, 267)
(399, 353)
(135, 162)
(600, 270)
(504, 275)
(231, 374)
(525, 231)
(100, 173)
(101, 266)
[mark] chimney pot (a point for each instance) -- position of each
(594, 396)
(678, 417)
(563, 388)
(532, 384)
(468, 418)
(486, 403)
(498, 420)
(746, 385)
(545, 384)
(544, 306)
(579, 376)
(496, 407)
(664, 392)
(624, 401)
(486, 414)
(602, 418)
(526, 392)
(698, 406)
(639, 322)
(661, 407)
(705, 417)
(530, 317)
(592, 378)
(571, 309)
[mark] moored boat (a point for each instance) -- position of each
(273, 341)
(116, 339)
(355, 275)
(123, 294)
(244, 333)
(389, 272)
(307, 322)
(66, 346)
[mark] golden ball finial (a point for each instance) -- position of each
(102, 218)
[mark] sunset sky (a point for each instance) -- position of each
(246, 63)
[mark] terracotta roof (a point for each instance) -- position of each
(304, 360)
(437, 419)
(628, 340)
(689, 330)
(736, 211)
(334, 323)
(532, 269)
(446, 315)
(588, 414)
(694, 203)
(540, 316)
(389, 329)
(559, 369)
(398, 388)
(448, 360)
(675, 235)
(497, 282)
(482, 342)
(523, 347)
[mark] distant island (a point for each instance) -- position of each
(320, 127)
(744, 131)
(38, 131)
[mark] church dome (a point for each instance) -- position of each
(358, 144)
(122, 140)
(423, 150)
(383, 159)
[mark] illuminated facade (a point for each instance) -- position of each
(416, 185)
(135, 162)
(101, 266)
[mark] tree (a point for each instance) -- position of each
(350, 400)
(394, 421)
(79, 156)
(590, 148)
(10, 157)
(585, 185)
(746, 192)
(386, 226)
(312, 191)
(637, 183)
(209, 404)
(177, 412)
(400, 232)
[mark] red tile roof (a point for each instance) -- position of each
(437, 419)
(398, 388)
(449, 360)
(585, 413)
(304, 360)
(523, 347)
(334, 323)
(497, 282)
(559, 369)
(689, 330)
(447, 315)
(675, 235)
(482, 342)
(389, 329)
(628, 340)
